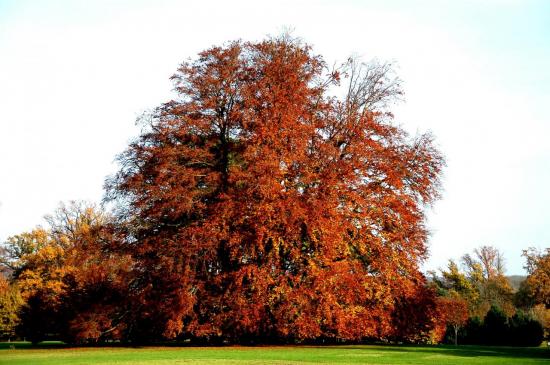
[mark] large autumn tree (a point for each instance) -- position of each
(258, 205)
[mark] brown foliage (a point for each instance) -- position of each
(258, 206)
(453, 312)
(537, 284)
(489, 259)
(417, 318)
(10, 303)
(482, 284)
(72, 283)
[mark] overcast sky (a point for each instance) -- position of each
(74, 75)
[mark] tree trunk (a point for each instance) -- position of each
(456, 335)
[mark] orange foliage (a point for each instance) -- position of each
(257, 206)
(454, 313)
(537, 284)
(72, 285)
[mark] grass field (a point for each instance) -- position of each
(21, 353)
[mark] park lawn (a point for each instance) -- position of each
(421, 355)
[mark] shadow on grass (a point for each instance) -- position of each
(447, 350)
(461, 351)
(29, 345)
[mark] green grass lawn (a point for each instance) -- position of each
(52, 354)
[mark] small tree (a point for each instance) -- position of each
(537, 285)
(72, 285)
(10, 302)
(525, 330)
(495, 327)
(454, 311)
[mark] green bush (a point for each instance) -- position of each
(498, 330)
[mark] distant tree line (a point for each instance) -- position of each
(482, 308)
(522, 329)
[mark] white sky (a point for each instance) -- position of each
(74, 75)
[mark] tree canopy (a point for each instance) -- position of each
(536, 288)
(258, 204)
